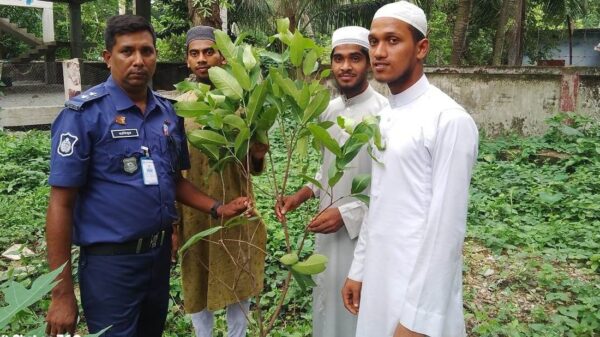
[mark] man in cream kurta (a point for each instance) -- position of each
(406, 276)
(338, 225)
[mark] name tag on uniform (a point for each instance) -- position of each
(149, 171)
(125, 133)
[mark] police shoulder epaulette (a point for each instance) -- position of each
(78, 102)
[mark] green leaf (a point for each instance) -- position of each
(325, 138)
(303, 97)
(225, 82)
(325, 124)
(192, 109)
(302, 147)
(197, 237)
(255, 103)
(550, 198)
(215, 120)
(334, 175)
(315, 264)
(558, 296)
(346, 123)
(297, 46)
(224, 44)
(18, 298)
(235, 121)
(255, 77)
(360, 182)
(215, 99)
(239, 220)
(283, 25)
(289, 259)
(241, 144)
(312, 181)
(286, 84)
(211, 151)
(350, 149)
(304, 281)
(362, 197)
(267, 118)
(325, 73)
(569, 131)
(185, 86)
(248, 58)
(241, 75)
(206, 137)
(273, 56)
(354, 143)
(261, 136)
(310, 62)
(316, 106)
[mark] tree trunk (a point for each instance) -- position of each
(459, 36)
(517, 34)
(500, 37)
(197, 15)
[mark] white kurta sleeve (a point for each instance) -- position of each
(436, 278)
(358, 262)
(353, 214)
(315, 189)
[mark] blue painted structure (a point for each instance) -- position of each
(584, 43)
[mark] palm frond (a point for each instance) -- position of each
(251, 14)
(354, 13)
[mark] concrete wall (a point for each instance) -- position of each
(518, 100)
(501, 99)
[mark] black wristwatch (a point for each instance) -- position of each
(213, 209)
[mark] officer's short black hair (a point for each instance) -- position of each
(125, 24)
(363, 50)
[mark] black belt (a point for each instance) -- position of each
(138, 246)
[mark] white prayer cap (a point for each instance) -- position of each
(350, 35)
(404, 11)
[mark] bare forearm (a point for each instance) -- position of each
(59, 224)
(304, 194)
(190, 196)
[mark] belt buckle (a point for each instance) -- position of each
(153, 240)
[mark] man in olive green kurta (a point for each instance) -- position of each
(227, 268)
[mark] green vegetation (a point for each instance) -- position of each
(531, 256)
(537, 30)
(535, 203)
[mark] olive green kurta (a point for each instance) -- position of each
(229, 266)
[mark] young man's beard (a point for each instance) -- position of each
(354, 89)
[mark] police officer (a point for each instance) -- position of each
(117, 152)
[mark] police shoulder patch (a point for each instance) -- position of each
(78, 102)
(66, 144)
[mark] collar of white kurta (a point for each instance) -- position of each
(410, 94)
(360, 98)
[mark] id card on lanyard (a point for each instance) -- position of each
(148, 169)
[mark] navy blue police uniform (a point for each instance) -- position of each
(125, 165)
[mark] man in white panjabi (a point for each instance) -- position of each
(338, 225)
(406, 276)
